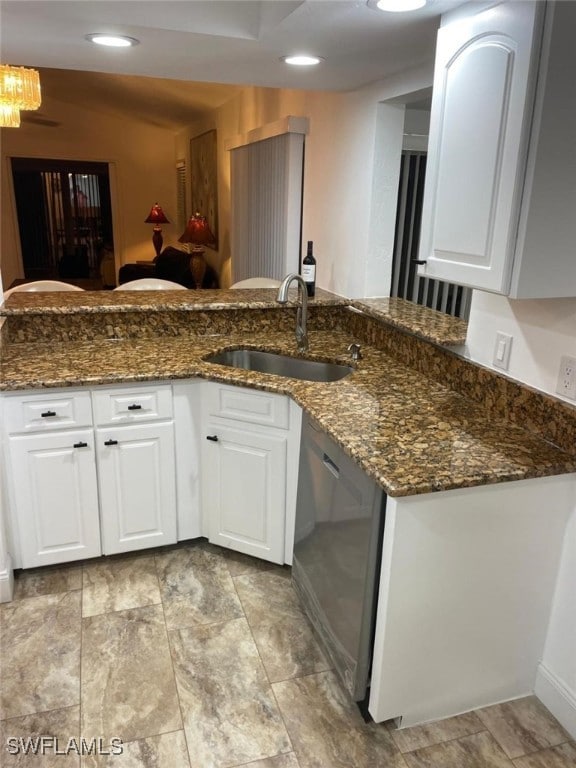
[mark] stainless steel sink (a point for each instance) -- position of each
(280, 365)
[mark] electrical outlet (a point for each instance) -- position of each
(567, 377)
(502, 350)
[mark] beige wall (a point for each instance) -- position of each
(142, 173)
(348, 178)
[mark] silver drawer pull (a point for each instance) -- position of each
(330, 466)
(48, 413)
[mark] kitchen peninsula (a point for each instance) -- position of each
(477, 468)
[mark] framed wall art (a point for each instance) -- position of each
(204, 179)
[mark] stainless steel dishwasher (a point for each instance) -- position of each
(338, 542)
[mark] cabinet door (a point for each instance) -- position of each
(484, 82)
(244, 489)
(137, 486)
(56, 497)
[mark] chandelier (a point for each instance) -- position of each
(19, 89)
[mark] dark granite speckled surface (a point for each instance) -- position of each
(97, 302)
(426, 323)
(411, 433)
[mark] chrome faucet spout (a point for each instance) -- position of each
(302, 314)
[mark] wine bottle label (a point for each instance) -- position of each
(309, 273)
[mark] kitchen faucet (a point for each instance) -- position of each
(302, 313)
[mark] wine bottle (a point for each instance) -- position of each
(309, 270)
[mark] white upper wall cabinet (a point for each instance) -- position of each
(499, 197)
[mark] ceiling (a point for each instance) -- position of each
(206, 42)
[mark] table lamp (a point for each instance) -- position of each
(157, 217)
(198, 234)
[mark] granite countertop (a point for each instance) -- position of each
(411, 434)
(429, 324)
(98, 302)
(405, 315)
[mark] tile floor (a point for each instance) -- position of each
(196, 657)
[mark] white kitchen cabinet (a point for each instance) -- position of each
(55, 496)
(137, 486)
(69, 480)
(499, 195)
(249, 449)
(51, 477)
(136, 466)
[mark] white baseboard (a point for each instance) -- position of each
(557, 697)
(7, 582)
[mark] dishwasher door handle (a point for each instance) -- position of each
(330, 466)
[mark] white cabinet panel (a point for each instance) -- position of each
(466, 588)
(129, 405)
(252, 406)
(54, 482)
(137, 486)
(48, 411)
(245, 489)
(484, 82)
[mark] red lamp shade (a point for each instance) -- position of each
(197, 231)
(156, 216)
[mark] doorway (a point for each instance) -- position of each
(64, 217)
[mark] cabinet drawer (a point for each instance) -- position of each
(40, 413)
(247, 405)
(132, 404)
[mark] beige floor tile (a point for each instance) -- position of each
(419, 736)
(562, 756)
(326, 728)
(240, 564)
(40, 654)
(282, 633)
(281, 761)
(128, 688)
(165, 751)
(196, 587)
(480, 750)
(21, 744)
(47, 581)
(230, 716)
(522, 726)
(116, 584)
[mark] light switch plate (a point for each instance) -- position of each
(502, 348)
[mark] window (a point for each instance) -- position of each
(406, 284)
(64, 216)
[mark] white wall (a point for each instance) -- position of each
(543, 331)
(143, 173)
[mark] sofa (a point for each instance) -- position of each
(171, 264)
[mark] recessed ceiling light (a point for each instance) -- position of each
(113, 41)
(399, 6)
(302, 60)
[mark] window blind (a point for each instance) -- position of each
(266, 191)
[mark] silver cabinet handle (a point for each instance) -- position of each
(330, 466)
